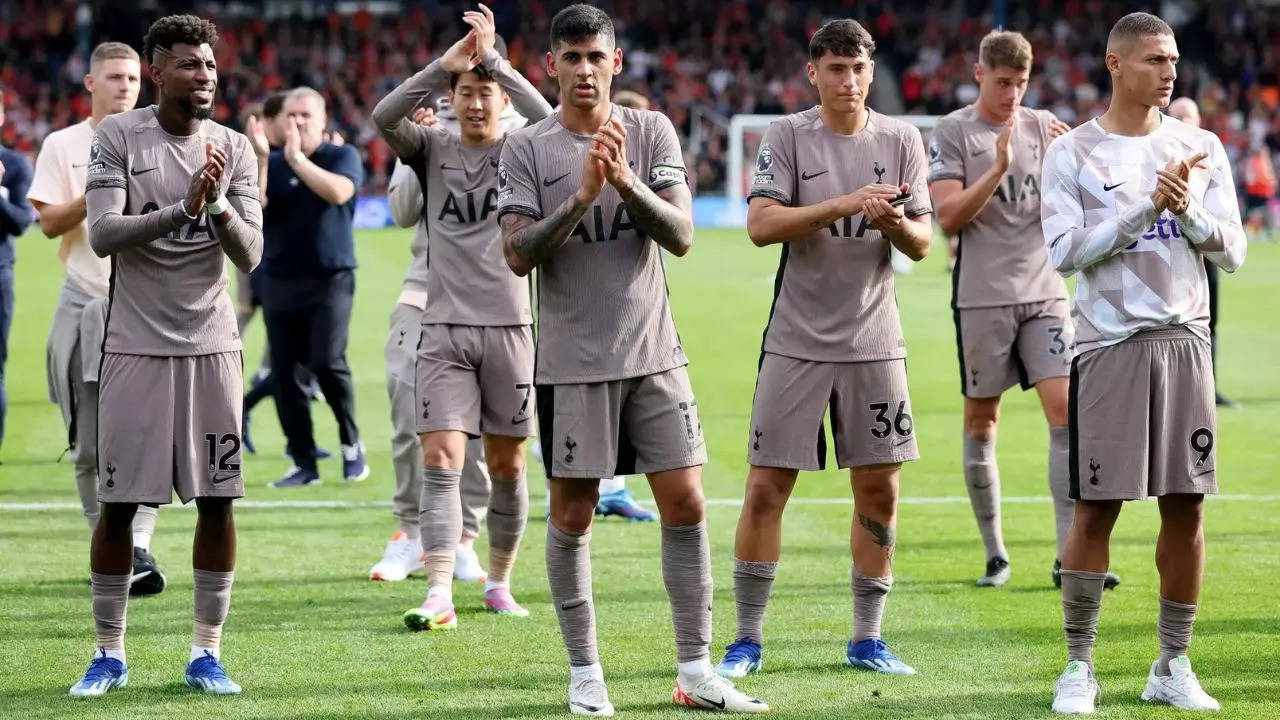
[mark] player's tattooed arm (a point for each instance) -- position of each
(883, 535)
(527, 242)
(665, 216)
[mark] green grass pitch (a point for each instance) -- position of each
(310, 637)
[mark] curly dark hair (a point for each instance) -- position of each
(173, 29)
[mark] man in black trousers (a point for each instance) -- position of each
(309, 266)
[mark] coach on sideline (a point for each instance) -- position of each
(309, 285)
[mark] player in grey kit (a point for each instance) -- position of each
(475, 356)
(1012, 322)
(170, 196)
(838, 186)
(403, 552)
(591, 196)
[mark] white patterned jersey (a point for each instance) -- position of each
(1138, 269)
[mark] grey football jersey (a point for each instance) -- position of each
(469, 282)
(1001, 258)
(833, 294)
(415, 277)
(169, 296)
(603, 312)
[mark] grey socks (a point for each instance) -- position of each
(1174, 630)
(869, 595)
(110, 603)
(982, 478)
(569, 574)
(508, 513)
(1081, 603)
(1064, 508)
(752, 585)
(686, 570)
(440, 522)
(213, 601)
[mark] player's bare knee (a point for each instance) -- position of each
(981, 415)
(1095, 519)
(213, 509)
(574, 516)
(436, 453)
(510, 467)
(981, 430)
(684, 507)
(765, 500)
(1183, 511)
(875, 489)
(504, 456)
(117, 515)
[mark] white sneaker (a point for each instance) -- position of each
(998, 573)
(1180, 689)
(466, 566)
(1076, 691)
(712, 692)
(402, 557)
(589, 697)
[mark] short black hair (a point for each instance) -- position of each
(845, 38)
(1136, 26)
(274, 104)
(171, 30)
(580, 22)
(478, 71)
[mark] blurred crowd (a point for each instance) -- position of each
(700, 62)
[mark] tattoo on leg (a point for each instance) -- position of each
(883, 534)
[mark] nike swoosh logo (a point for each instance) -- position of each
(1109, 188)
(807, 176)
(977, 152)
(1204, 472)
(903, 441)
(139, 172)
(138, 576)
(548, 183)
(588, 708)
(219, 478)
(717, 705)
(450, 167)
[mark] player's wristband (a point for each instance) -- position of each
(182, 208)
(217, 207)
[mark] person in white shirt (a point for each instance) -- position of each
(73, 350)
(1134, 201)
